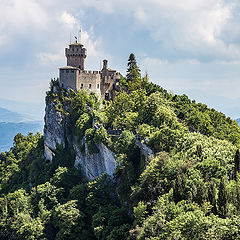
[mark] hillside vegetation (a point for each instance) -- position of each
(189, 189)
(8, 130)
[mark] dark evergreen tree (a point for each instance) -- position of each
(222, 199)
(212, 196)
(236, 164)
(133, 74)
(178, 189)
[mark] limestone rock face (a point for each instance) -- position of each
(94, 165)
(54, 130)
(57, 130)
(145, 150)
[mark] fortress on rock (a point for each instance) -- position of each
(74, 75)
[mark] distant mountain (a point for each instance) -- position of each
(12, 123)
(8, 130)
(32, 111)
(9, 116)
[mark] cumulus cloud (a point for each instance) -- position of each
(199, 28)
(18, 17)
(68, 19)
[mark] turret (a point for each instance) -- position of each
(76, 55)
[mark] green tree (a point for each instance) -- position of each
(236, 164)
(133, 74)
(222, 198)
(68, 220)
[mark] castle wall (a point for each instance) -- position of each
(73, 76)
(109, 79)
(89, 81)
(68, 78)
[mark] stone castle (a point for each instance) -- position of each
(74, 76)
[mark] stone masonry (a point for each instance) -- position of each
(74, 76)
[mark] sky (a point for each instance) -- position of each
(188, 47)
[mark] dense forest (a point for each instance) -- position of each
(189, 188)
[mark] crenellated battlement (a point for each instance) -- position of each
(89, 72)
(75, 76)
(76, 55)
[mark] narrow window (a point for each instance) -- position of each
(90, 85)
(107, 96)
(81, 85)
(62, 85)
(98, 85)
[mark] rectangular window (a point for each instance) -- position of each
(81, 85)
(90, 85)
(107, 96)
(67, 71)
(98, 85)
(72, 71)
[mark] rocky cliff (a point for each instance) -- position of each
(68, 117)
(57, 132)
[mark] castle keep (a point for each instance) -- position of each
(74, 75)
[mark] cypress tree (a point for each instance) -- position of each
(212, 196)
(178, 189)
(236, 164)
(222, 199)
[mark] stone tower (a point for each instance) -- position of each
(103, 83)
(76, 55)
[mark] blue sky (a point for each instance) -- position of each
(187, 46)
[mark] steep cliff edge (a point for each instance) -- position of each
(58, 131)
(54, 130)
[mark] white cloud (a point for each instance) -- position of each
(214, 78)
(18, 17)
(68, 19)
(47, 57)
(197, 28)
(140, 15)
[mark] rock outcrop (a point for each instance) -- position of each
(145, 150)
(54, 130)
(94, 165)
(57, 131)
